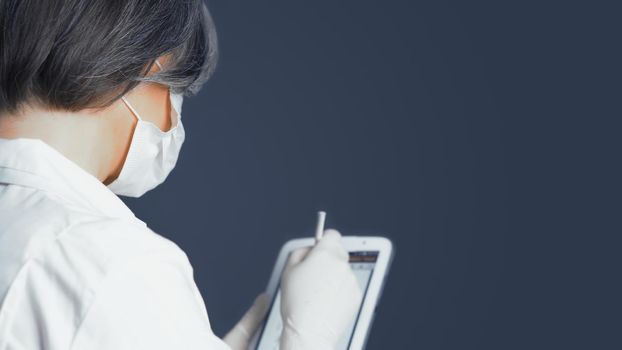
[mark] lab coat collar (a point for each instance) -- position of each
(33, 163)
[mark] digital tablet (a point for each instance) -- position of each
(370, 258)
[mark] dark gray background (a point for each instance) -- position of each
(477, 135)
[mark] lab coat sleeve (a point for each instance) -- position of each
(149, 302)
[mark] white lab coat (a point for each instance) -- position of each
(79, 271)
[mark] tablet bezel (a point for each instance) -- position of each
(374, 289)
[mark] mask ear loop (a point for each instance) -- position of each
(170, 102)
(127, 102)
(131, 108)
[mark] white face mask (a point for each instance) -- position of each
(152, 155)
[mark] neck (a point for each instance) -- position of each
(85, 138)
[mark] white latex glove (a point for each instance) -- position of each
(240, 336)
(320, 296)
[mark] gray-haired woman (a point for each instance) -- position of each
(90, 107)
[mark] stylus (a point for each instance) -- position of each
(319, 230)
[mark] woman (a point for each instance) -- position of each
(90, 106)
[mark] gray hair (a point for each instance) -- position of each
(180, 76)
(76, 54)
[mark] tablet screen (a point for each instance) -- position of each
(362, 263)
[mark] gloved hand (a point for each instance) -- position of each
(320, 296)
(240, 336)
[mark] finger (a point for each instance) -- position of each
(241, 334)
(331, 242)
(253, 317)
(331, 233)
(331, 237)
(297, 256)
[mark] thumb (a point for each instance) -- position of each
(331, 243)
(239, 337)
(296, 257)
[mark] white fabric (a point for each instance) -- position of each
(152, 155)
(321, 296)
(78, 271)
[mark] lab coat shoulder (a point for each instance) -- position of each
(41, 232)
(83, 248)
(104, 244)
(147, 299)
(84, 281)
